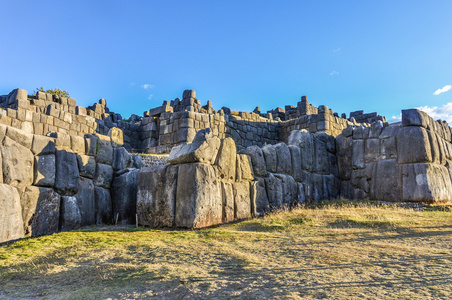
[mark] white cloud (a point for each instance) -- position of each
(443, 112)
(397, 118)
(443, 90)
(334, 73)
(150, 96)
(148, 86)
(336, 50)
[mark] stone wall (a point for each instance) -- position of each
(50, 184)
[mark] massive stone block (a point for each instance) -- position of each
(425, 182)
(274, 189)
(156, 195)
(289, 189)
(295, 154)
(283, 158)
(261, 199)
(124, 197)
(204, 148)
(11, 223)
(44, 170)
(387, 181)
(19, 136)
(242, 200)
(258, 160)
(67, 173)
(269, 152)
(103, 175)
(227, 194)
(86, 201)
(43, 145)
(40, 210)
(321, 157)
(86, 165)
(225, 163)
(105, 150)
(70, 217)
(121, 159)
(17, 163)
(199, 201)
(414, 117)
(413, 145)
(358, 154)
(117, 137)
(244, 168)
(103, 206)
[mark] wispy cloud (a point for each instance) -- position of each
(443, 112)
(148, 86)
(334, 73)
(150, 96)
(443, 90)
(397, 118)
(336, 50)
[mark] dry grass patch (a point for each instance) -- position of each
(339, 250)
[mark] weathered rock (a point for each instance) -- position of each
(295, 154)
(137, 162)
(283, 158)
(86, 201)
(121, 159)
(307, 151)
(66, 174)
(414, 117)
(62, 140)
(204, 148)
(156, 195)
(105, 150)
(19, 136)
(424, 182)
(317, 187)
(103, 175)
(43, 145)
(17, 163)
(358, 154)
(344, 163)
(117, 137)
(388, 148)
(199, 201)
(44, 170)
(413, 145)
(242, 202)
(124, 197)
(226, 160)
(372, 150)
(228, 202)
(103, 205)
(289, 189)
(86, 165)
(40, 210)
(387, 181)
(258, 160)
(301, 198)
(70, 214)
(274, 189)
(321, 157)
(244, 168)
(11, 223)
(77, 144)
(261, 199)
(269, 152)
(91, 144)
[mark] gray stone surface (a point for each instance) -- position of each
(91, 144)
(261, 198)
(19, 136)
(283, 158)
(358, 154)
(228, 202)
(274, 189)
(11, 223)
(204, 148)
(242, 200)
(70, 217)
(103, 206)
(17, 163)
(244, 168)
(414, 117)
(67, 173)
(105, 150)
(117, 137)
(86, 165)
(269, 152)
(121, 159)
(103, 175)
(156, 195)
(124, 197)
(199, 201)
(77, 144)
(257, 160)
(86, 201)
(289, 189)
(413, 145)
(44, 170)
(226, 160)
(43, 145)
(295, 154)
(387, 181)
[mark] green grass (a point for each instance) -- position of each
(340, 250)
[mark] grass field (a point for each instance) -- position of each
(342, 250)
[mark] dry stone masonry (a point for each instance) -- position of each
(64, 166)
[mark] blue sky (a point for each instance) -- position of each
(379, 56)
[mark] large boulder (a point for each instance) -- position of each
(199, 201)
(156, 195)
(43, 145)
(413, 145)
(269, 152)
(261, 199)
(225, 163)
(40, 210)
(387, 181)
(103, 175)
(11, 223)
(283, 158)
(67, 173)
(295, 155)
(358, 154)
(17, 163)
(124, 197)
(86, 201)
(228, 202)
(258, 160)
(104, 209)
(204, 149)
(121, 159)
(289, 189)
(104, 154)
(244, 168)
(321, 156)
(44, 170)
(117, 137)
(86, 165)
(242, 201)
(414, 117)
(70, 214)
(274, 189)
(19, 136)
